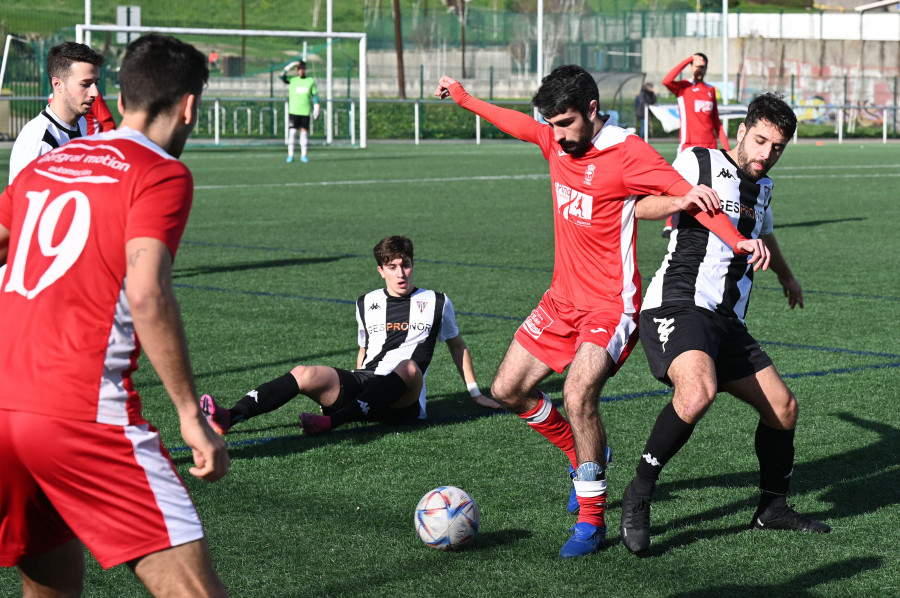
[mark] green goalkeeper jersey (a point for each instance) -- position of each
(302, 94)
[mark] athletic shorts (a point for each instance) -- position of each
(298, 121)
(353, 383)
(113, 487)
(669, 331)
(554, 331)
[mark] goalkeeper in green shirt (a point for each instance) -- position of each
(303, 99)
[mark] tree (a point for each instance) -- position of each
(460, 8)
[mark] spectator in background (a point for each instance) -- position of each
(213, 61)
(645, 98)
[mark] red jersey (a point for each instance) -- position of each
(70, 346)
(99, 119)
(698, 110)
(594, 199)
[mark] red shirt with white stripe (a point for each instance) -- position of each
(69, 346)
(594, 199)
(698, 111)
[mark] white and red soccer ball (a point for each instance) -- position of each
(447, 518)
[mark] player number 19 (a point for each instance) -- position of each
(66, 252)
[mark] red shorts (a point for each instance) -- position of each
(113, 487)
(554, 331)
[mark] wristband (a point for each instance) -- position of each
(473, 389)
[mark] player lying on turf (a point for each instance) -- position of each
(692, 323)
(399, 326)
(587, 320)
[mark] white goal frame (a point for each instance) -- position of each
(82, 28)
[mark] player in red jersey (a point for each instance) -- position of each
(698, 109)
(587, 320)
(89, 232)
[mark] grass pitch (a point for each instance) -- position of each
(276, 254)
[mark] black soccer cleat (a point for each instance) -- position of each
(780, 515)
(635, 526)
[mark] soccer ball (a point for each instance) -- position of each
(447, 518)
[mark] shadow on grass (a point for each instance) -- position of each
(855, 483)
(800, 585)
(260, 265)
(812, 223)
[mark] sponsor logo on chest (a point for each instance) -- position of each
(574, 206)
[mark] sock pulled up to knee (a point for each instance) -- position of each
(549, 422)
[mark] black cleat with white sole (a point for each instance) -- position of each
(780, 515)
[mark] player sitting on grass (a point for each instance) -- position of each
(398, 328)
(692, 323)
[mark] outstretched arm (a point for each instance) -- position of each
(513, 122)
(789, 284)
(157, 323)
(669, 79)
(463, 360)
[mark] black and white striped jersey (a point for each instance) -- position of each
(40, 135)
(700, 268)
(396, 328)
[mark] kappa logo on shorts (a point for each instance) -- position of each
(666, 327)
(536, 322)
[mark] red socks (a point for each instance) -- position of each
(549, 422)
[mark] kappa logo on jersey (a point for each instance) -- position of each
(374, 306)
(589, 174)
(705, 106)
(651, 460)
(536, 322)
(421, 305)
(363, 406)
(666, 327)
(574, 206)
(725, 174)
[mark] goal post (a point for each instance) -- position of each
(81, 29)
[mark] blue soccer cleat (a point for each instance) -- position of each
(573, 506)
(289, 159)
(586, 539)
(304, 159)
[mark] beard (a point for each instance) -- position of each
(744, 164)
(580, 146)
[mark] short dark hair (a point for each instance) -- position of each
(703, 56)
(301, 64)
(391, 248)
(61, 57)
(771, 106)
(157, 71)
(568, 86)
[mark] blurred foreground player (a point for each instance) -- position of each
(587, 320)
(399, 326)
(693, 330)
(90, 231)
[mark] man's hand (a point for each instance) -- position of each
(443, 87)
(487, 402)
(700, 196)
(759, 253)
(315, 113)
(211, 460)
(792, 291)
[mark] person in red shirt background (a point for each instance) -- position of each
(697, 107)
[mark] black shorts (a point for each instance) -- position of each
(298, 121)
(353, 383)
(668, 331)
